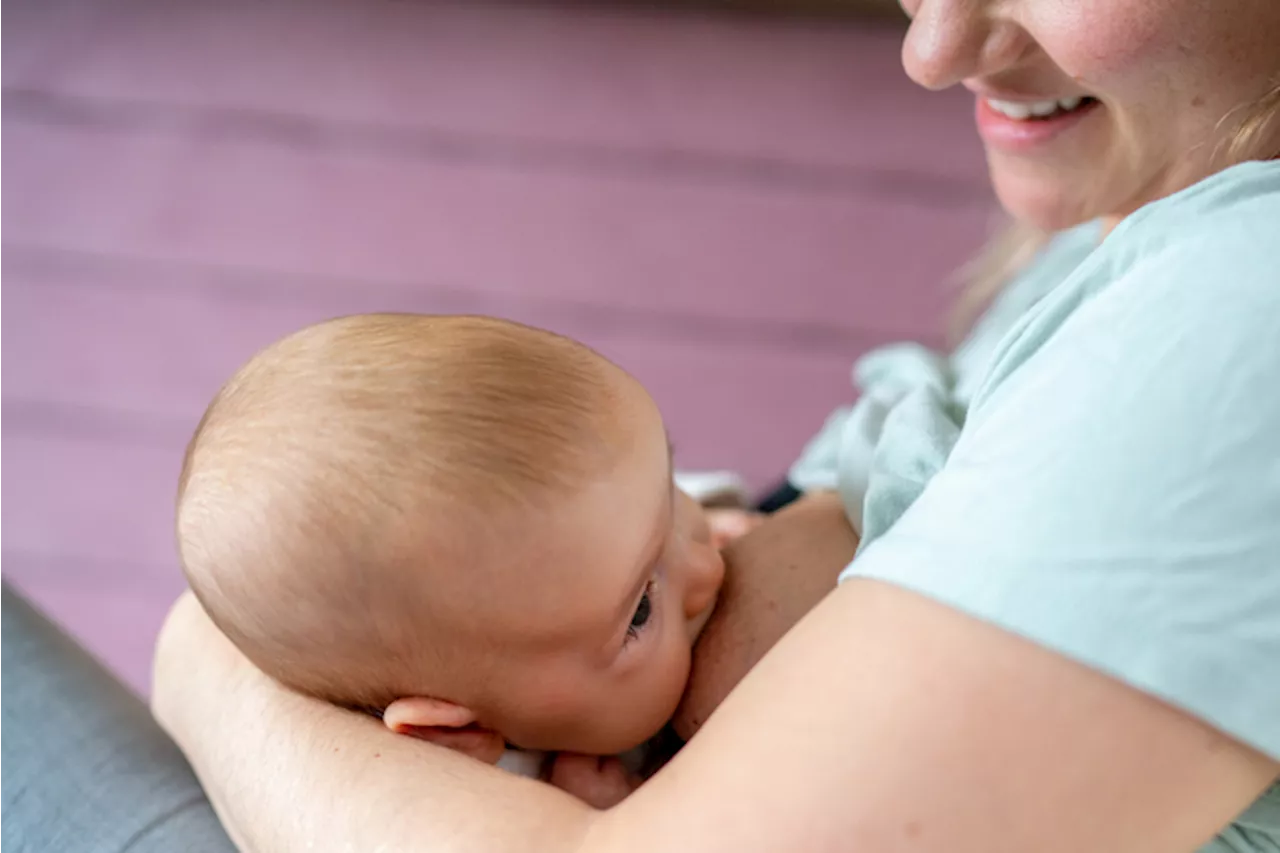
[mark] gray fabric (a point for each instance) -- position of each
(85, 768)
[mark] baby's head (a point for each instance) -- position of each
(466, 510)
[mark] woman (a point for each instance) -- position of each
(1062, 628)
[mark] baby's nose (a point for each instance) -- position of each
(705, 577)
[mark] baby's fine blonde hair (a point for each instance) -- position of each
(342, 460)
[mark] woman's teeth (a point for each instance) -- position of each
(1022, 110)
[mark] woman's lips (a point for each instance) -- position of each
(1026, 124)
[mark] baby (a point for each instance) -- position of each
(462, 525)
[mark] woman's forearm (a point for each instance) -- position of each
(882, 721)
(278, 791)
(779, 574)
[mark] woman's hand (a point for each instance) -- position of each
(774, 575)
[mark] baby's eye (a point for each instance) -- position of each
(643, 611)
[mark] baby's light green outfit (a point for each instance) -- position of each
(1098, 467)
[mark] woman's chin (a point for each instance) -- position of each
(1043, 200)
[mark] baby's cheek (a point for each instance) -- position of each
(672, 673)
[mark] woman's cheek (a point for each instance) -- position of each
(1102, 43)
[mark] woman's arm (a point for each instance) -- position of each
(883, 721)
(285, 772)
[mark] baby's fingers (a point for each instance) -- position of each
(598, 781)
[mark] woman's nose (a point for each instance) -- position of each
(952, 40)
(706, 574)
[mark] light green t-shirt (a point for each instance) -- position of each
(1098, 467)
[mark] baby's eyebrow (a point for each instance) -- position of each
(668, 517)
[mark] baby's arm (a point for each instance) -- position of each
(599, 781)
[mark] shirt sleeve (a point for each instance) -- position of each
(842, 455)
(1114, 494)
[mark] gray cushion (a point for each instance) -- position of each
(85, 768)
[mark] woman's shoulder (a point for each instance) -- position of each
(1228, 220)
(1112, 492)
(1208, 253)
(1201, 266)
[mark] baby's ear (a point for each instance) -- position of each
(445, 724)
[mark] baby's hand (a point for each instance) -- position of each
(730, 524)
(598, 781)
